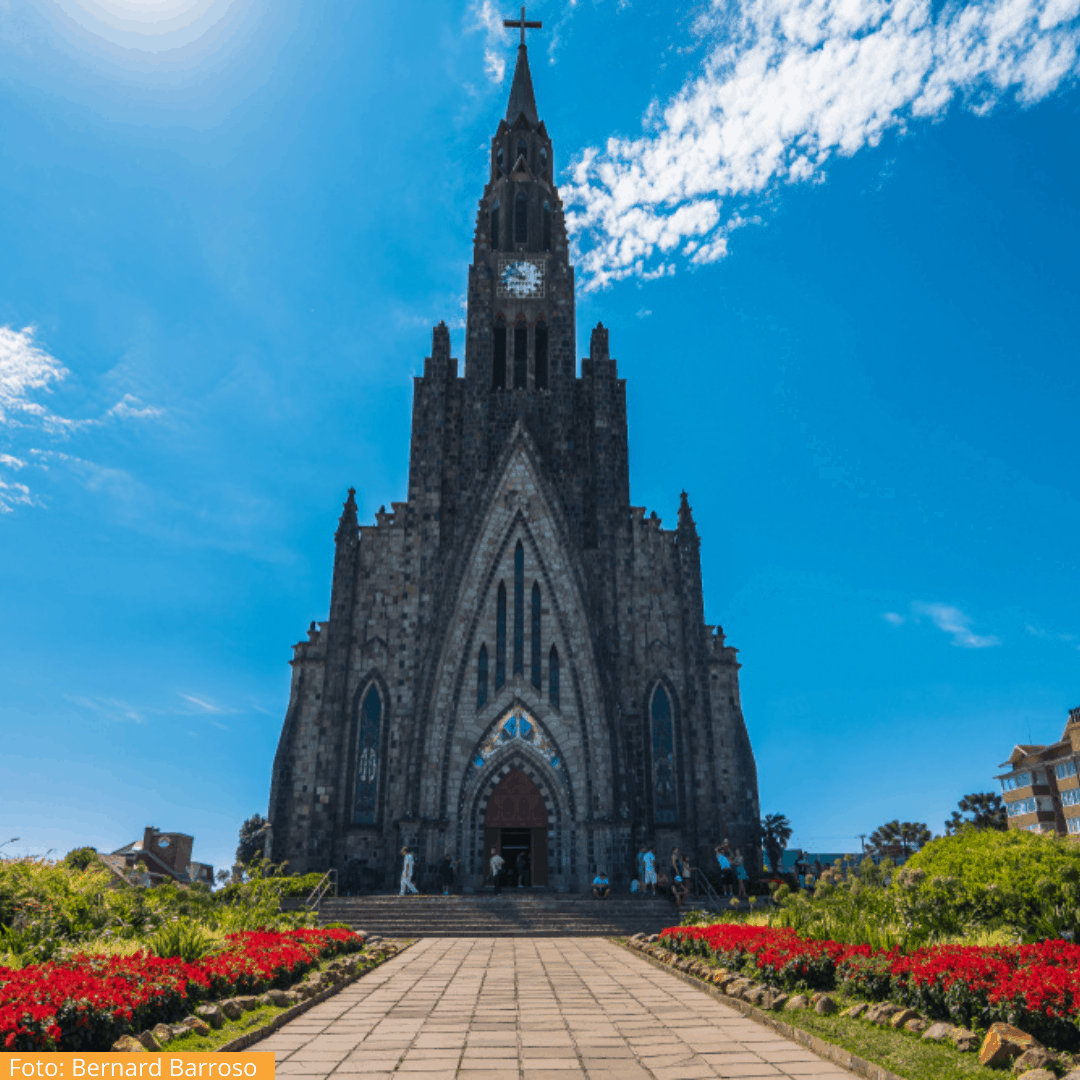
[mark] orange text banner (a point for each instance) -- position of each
(34, 1065)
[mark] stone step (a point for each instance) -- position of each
(484, 915)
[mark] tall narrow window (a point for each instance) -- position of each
(495, 226)
(521, 218)
(369, 723)
(541, 340)
(534, 643)
(500, 637)
(547, 227)
(543, 161)
(499, 161)
(553, 676)
(498, 358)
(521, 357)
(519, 609)
(663, 744)
(523, 149)
(481, 678)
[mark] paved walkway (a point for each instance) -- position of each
(532, 1008)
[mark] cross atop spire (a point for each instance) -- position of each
(523, 24)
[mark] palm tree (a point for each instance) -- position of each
(775, 833)
(899, 839)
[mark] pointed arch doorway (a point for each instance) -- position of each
(516, 821)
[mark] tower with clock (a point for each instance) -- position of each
(515, 656)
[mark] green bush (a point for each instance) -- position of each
(1025, 879)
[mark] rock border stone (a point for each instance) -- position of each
(829, 1051)
(242, 1042)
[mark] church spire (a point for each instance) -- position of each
(522, 100)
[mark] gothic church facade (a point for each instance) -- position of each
(515, 656)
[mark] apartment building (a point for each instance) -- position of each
(1041, 789)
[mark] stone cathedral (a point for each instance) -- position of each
(515, 656)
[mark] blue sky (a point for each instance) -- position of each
(836, 245)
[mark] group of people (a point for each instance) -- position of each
(497, 867)
(731, 865)
(446, 874)
(732, 870)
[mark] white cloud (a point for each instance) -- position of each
(785, 86)
(484, 15)
(28, 371)
(953, 621)
(131, 408)
(894, 619)
(206, 706)
(110, 708)
(1050, 635)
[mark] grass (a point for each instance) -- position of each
(248, 1022)
(901, 1052)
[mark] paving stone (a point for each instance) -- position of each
(532, 1009)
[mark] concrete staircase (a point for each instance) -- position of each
(514, 914)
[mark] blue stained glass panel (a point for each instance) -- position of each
(663, 743)
(367, 764)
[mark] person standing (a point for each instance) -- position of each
(521, 864)
(649, 878)
(446, 872)
(407, 873)
(740, 873)
(676, 863)
(724, 863)
(497, 863)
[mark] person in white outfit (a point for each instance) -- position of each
(406, 873)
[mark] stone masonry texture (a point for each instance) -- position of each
(532, 1009)
(389, 708)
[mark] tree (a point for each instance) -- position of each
(81, 858)
(252, 839)
(775, 833)
(987, 812)
(899, 839)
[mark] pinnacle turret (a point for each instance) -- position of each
(686, 515)
(348, 526)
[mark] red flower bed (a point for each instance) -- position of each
(88, 1002)
(1036, 987)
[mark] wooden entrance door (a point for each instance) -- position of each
(516, 803)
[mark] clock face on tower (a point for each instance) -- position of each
(520, 278)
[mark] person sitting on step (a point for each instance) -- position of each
(601, 887)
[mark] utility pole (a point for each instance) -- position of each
(862, 840)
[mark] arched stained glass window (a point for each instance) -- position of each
(553, 676)
(547, 227)
(521, 357)
(495, 226)
(541, 356)
(481, 678)
(521, 218)
(367, 763)
(500, 637)
(663, 744)
(534, 643)
(519, 609)
(498, 358)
